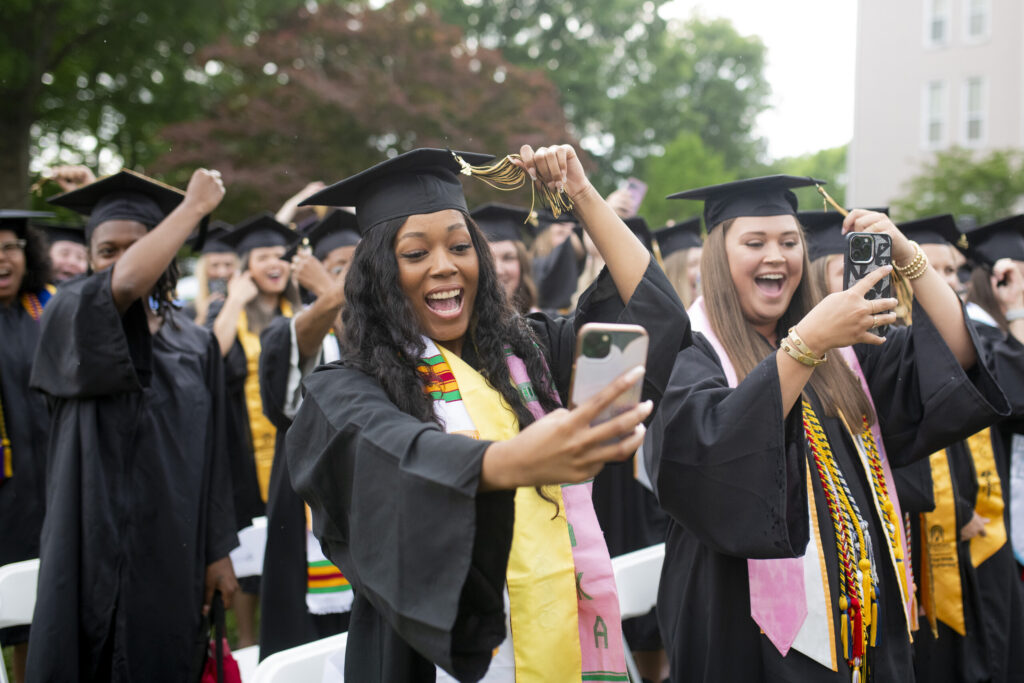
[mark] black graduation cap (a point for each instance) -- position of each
(126, 195)
(421, 181)
(685, 235)
(1004, 238)
(17, 221)
(824, 232)
(258, 231)
(764, 196)
(63, 232)
(339, 228)
(638, 226)
(939, 229)
(500, 222)
(212, 243)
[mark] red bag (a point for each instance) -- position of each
(220, 666)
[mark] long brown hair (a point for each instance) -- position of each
(979, 291)
(525, 296)
(833, 382)
(677, 270)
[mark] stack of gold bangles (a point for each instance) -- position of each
(917, 267)
(799, 351)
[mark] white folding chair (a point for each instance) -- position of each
(637, 575)
(17, 598)
(302, 663)
(248, 659)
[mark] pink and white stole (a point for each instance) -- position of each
(789, 597)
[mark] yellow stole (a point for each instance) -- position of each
(941, 587)
(263, 431)
(541, 572)
(989, 503)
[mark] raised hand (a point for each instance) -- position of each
(72, 177)
(862, 220)
(563, 447)
(558, 167)
(310, 273)
(205, 191)
(845, 318)
(1008, 284)
(241, 287)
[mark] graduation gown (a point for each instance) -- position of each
(248, 502)
(22, 497)
(556, 278)
(992, 593)
(285, 621)
(138, 492)
(396, 507)
(732, 476)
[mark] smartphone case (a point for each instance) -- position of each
(854, 272)
(591, 375)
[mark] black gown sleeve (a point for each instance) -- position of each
(1004, 357)
(275, 367)
(655, 306)
(724, 465)
(221, 537)
(87, 348)
(925, 401)
(395, 506)
(914, 486)
(556, 276)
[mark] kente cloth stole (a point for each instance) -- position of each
(262, 429)
(564, 622)
(327, 589)
(940, 532)
(790, 598)
(33, 303)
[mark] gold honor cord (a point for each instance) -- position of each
(506, 176)
(904, 293)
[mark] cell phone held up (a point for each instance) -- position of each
(604, 351)
(866, 252)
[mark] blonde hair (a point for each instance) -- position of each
(833, 382)
(678, 273)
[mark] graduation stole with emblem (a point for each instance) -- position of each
(564, 622)
(260, 427)
(941, 589)
(33, 303)
(790, 598)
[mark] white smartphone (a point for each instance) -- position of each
(603, 352)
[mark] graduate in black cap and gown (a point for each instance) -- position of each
(681, 246)
(427, 453)
(68, 255)
(216, 265)
(261, 291)
(504, 226)
(303, 597)
(25, 290)
(785, 558)
(139, 519)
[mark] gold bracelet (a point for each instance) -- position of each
(790, 346)
(794, 338)
(918, 265)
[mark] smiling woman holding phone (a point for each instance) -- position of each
(443, 477)
(785, 558)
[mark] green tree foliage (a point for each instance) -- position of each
(333, 89)
(100, 77)
(631, 81)
(985, 187)
(827, 164)
(687, 163)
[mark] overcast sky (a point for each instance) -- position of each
(811, 46)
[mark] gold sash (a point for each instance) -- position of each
(941, 593)
(262, 429)
(989, 503)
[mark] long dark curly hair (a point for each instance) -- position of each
(382, 339)
(37, 263)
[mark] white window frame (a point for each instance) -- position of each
(926, 115)
(987, 32)
(929, 18)
(966, 114)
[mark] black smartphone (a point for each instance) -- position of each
(218, 286)
(867, 252)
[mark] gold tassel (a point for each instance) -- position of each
(507, 176)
